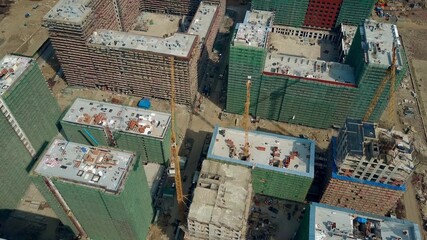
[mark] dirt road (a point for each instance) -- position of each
(411, 207)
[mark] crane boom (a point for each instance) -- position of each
(392, 101)
(174, 148)
(246, 120)
(391, 75)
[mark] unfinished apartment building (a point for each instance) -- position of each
(99, 192)
(145, 132)
(221, 202)
(369, 167)
(322, 221)
(98, 47)
(282, 166)
(183, 7)
(71, 22)
(297, 75)
(28, 117)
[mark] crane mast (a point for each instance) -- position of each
(246, 120)
(391, 75)
(174, 147)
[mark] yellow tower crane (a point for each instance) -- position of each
(390, 76)
(246, 120)
(174, 147)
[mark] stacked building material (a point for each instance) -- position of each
(322, 221)
(145, 132)
(28, 117)
(101, 193)
(369, 167)
(221, 202)
(282, 166)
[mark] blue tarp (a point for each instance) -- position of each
(362, 220)
(144, 103)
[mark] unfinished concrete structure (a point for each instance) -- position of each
(183, 7)
(297, 75)
(28, 117)
(96, 50)
(144, 132)
(221, 202)
(71, 22)
(368, 152)
(101, 193)
(282, 166)
(369, 167)
(322, 221)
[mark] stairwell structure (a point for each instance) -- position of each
(313, 92)
(28, 117)
(99, 192)
(145, 132)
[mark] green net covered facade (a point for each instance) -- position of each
(147, 133)
(290, 182)
(354, 11)
(287, 12)
(28, 120)
(122, 213)
(310, 101)
(294, 12)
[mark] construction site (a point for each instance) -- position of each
(21, 118)
(326, 222)
(282, 166)
(297, 74)
(299, 69)
(104, 179)
(369, 168)
(145, 132)
(221, 202)
(107, 51)
(315, 13)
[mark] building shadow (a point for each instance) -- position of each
(17, 224)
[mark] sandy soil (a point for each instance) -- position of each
(22, 35)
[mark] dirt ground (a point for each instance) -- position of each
(413, 30)
(20, 34)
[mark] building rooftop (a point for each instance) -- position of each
(72, 11)
(334, 223)
(179, 44)
(202, 20)
(118, 118)
(11, 68)
(267, 150)
(348, 32)
(378, 39)
(283, 64)
(103, 168)
(254, 29)
(222, 196)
